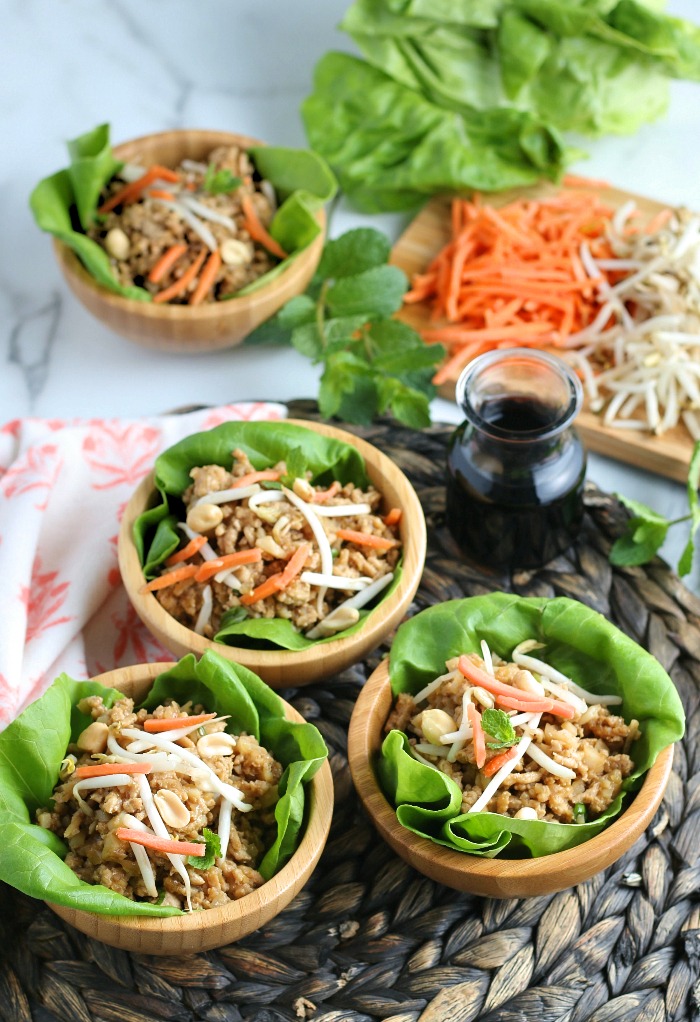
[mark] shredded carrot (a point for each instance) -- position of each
(270, 475)
(281, 579)
(160, 844)
(156, 724)
(511, 697)
(207, 278)
(477, 735)
(193, 547)
(295, 563)
(512, 276)
(553, 706)
(170, 578)
(574, 181)
(166, 262)
(365, 539)
(256, 230)
(658, 221)
(183, 282)
(105, 769)
(496, 762)
(234, 560)
(321, 496)
(160, 193)
(131, 191)
(392, 517)
(267, 588)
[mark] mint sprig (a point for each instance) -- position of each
(496, 723)
(213, 851)
(220, 182)
(372, 364)
(647, 529)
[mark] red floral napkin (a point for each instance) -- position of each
(63, 487)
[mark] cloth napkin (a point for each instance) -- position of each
(63, 488)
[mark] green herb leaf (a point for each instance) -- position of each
(496, 723)
(297, 465)
(686, 561)
(354, 252)
(375, 292)
(220, 182)
(371, 364)
(644, 536)
(213, 845)
(297, 312)
(308, 341)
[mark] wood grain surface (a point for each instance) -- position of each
(492, 878)
(666, 455)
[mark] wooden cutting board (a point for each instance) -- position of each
(666, 455)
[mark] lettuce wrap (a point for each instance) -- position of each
(581, 644)
(33, 746)
(65, 203)
(156, 535)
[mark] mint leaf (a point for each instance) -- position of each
(644, 536)
(686, 561)
(297, 311)
(375, 292)
(213, 846)
(220, 182)
(307, 340)
(496, 723)
(296, 466)
(371, 363)
(354, 252)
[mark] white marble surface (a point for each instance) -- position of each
(241, 65)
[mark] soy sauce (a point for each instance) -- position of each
(515, 473)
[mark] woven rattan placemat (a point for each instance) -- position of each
(369, 938)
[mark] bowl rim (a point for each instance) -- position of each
(319, 816)
(71, 264)
(363, 748)
(413, 537)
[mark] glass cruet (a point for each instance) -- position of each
(516, 466)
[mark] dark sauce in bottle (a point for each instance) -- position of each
(516, 467)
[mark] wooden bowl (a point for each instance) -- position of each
(492, 878)
(180, 328)
(214, 927)
(284, 668)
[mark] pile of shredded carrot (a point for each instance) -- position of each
(512, 276)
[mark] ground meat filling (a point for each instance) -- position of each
(150, 227)
(98, 856)
(277, 530)
(594, 745)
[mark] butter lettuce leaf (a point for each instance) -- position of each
(156, 534)
(481, 94)
(65, 203)
(391, 148)
(579, 642)
(33, 746)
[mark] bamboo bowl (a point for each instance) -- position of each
(179, 328)
(283, 668)
(214, 927)
(492, 878)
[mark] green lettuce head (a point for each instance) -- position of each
(581, 644)
(265, 443)
(33, 747)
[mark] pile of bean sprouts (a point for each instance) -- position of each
(640, 358)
